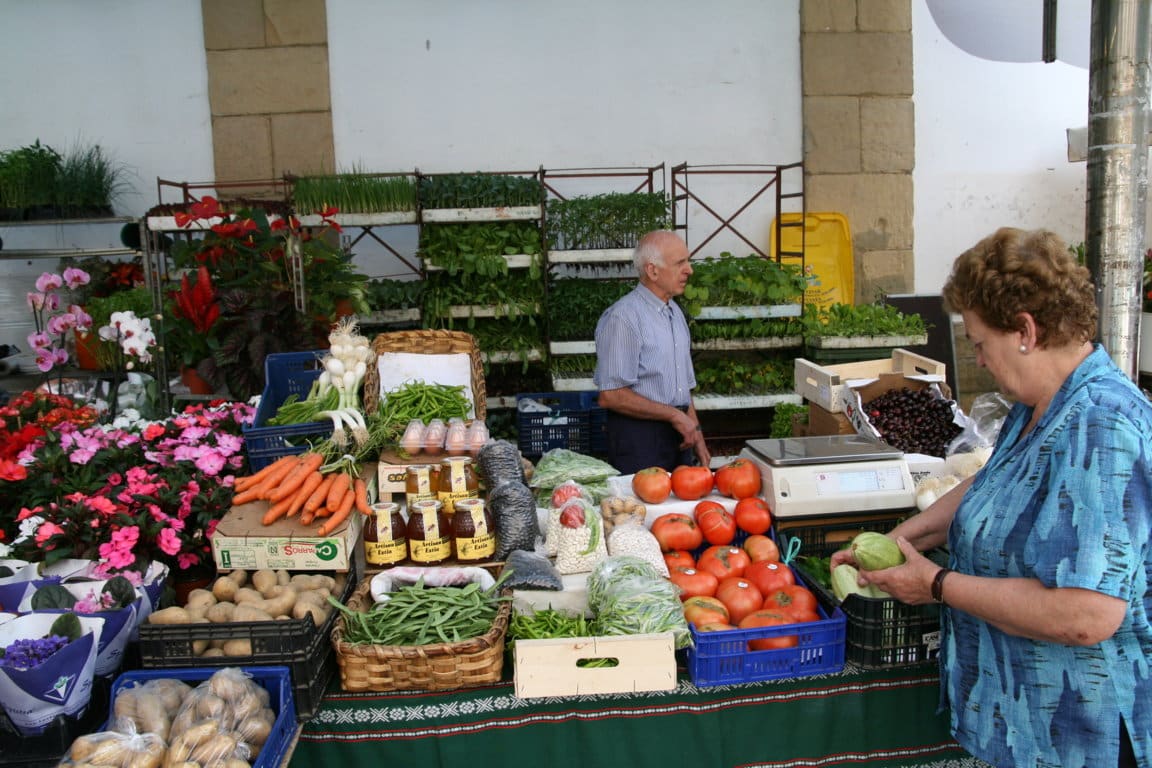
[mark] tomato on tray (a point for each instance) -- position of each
(691, 483)
(738, 479)
(652, 485)
(740, 597)
(792, 599)
(677, 531)
(768, 618)
(693, 582)
(717, 525)
(761, 547)
(724, 560)
(679, 557)
(701, 610)
(769, 575)
(753, 515)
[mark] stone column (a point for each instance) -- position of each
(268, 88)
(859, 131)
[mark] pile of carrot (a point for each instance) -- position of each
(296, 485)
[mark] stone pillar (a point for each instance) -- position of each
(268, 88)
(859, 131)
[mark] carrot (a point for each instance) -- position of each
(273, 478)
(309, 464)
(307, 516)
(339, 515)
(276, 511)
(320, 495)
(336, 491)
(304, 491)
(360, 500)
(254, 479)
(246, 497)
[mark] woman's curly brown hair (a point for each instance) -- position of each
(1016, 270)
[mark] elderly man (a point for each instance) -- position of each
(644, 364)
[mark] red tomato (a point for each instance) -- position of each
(740, 596)
(723, 560)
(769, 576)
(693, 582)
(691, 483)
(738, 479)
(760, 547)
(792, 599)
(565, 492)
(753, 515)
(715, 626)
(677, 531)
(652, 485)
(715, 523)
(701, 609)
(765, 618)
(679, 557)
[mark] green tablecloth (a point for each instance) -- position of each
(856, 717)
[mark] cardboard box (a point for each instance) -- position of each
(824, 422)
(243, 541)
(857, 396)
(827, 386)
(552, 667)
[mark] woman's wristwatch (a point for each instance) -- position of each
(938, 584)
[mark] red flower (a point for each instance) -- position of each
(206, 208)
(197, 303)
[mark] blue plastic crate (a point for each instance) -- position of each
(572, 421)
(276, 680)
(285, 374)
(723, 658)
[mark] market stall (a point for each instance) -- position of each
(856, 717)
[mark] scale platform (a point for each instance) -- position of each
(831, 475)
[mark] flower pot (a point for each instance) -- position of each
(197, 384)
(86, 345)
(185, 580)
(1144, 355)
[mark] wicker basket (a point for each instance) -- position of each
(428, 342)
(436, 667)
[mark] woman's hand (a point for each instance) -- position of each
(909, 583)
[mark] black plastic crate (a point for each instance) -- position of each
(295, 643)
(572, 421)
(285, 374)
(881, 632)
(822, 538)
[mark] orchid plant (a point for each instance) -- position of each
(134, 341)
(53, 321)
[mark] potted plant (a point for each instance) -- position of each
(862, 325)
(101, 308)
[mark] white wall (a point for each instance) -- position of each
(991, 149)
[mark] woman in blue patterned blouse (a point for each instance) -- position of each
(1046, 642)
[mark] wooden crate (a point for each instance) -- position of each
(826, 386)
(553, 667)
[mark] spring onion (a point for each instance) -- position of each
(344, 369)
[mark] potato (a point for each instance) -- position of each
(200, 597)
(283, 578)
(148, 755)
(220, 747)
(280, 601)
(224, 588)
(256, 730)
(201, 731)
(237, 648)
(125, 703)
(212, 653)
(303, 581)
(173, 615)
(250, 612)
(248, 595)
(196, 612)
(221, 612)
(199, 646)
(83, 746)
(240, 576)
(209, 706)
(263, 580)
(307, 609)
(112, 750)
(170, 691)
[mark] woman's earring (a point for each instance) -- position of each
(1023, 349)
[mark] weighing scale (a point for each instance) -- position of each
(831, 475)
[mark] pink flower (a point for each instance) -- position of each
(169, 542)
(36, 301)
(75, 277)
(39, 340)
(46, 531)
(187, 560)
(153, 431)
(48, 282)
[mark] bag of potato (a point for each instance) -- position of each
(112, 749)
(227, 717)
(149, 707)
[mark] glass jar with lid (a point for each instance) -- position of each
(429, 533)
(457, 481)
(385, 535)
(473, 531)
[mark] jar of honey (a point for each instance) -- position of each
(385, 535)
(473, 531)
(457, 481)
(421, 483)
(429, 533)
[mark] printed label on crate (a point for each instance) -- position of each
(932, 641)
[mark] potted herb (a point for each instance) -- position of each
(873, 326)
(731, 287)
(354, 192)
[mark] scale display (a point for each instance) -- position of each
(858, 481)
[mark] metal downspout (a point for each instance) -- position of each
(1117, 182)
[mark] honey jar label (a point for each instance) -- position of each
(449, 498)
(479, 521)
(430, 517)
(430, 550)
(385, 552)
(479, 547)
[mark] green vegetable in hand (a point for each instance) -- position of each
(875, 551)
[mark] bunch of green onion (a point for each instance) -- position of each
(345, 366)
